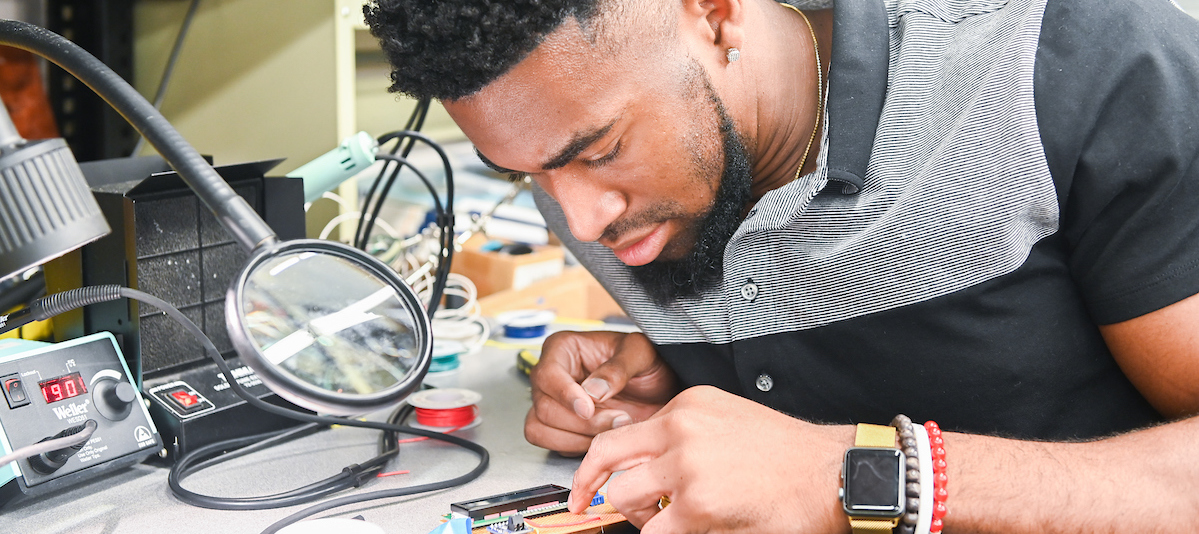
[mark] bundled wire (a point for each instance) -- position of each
(389, 172)
(351, 476)
(204, 457)
(464, 323)
(445, 212)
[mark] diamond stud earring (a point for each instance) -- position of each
(734, 55)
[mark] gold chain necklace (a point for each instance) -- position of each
(819, 89)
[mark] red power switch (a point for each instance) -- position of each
(182, 399)
(185, 399)
(14, 392)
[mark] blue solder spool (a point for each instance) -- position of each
(526, 324)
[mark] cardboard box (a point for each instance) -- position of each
(495, 271)
(575, 294)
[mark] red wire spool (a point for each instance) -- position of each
(452, 418)
(446, 408)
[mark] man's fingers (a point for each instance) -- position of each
(670, 519)
(561, 441)
(636, 492)
(551, 413)
(554, 379)
(616, 450)
(632, 356)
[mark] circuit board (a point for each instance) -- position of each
(594, 519)
(537, 510)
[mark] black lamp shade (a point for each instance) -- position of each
(46, 208)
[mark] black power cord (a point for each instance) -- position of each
(445, 227)
(415, 122)
(76, 298)
(352, 476)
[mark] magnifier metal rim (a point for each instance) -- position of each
(293, 388)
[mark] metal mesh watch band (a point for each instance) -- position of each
(882, 437)
(871, 526)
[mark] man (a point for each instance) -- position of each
(993, 225)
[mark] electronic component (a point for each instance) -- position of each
(527, 502)
(514, 513)
(599, 517)
(63, 387)
(514, 525)
(82, 382)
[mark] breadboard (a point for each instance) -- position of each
(606, 513)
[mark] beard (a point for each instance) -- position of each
(702, 268)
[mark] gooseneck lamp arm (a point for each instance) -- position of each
(230, 209)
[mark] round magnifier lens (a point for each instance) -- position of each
(329, 328)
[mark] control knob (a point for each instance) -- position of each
(113, 398)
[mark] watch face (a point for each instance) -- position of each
(874, 482)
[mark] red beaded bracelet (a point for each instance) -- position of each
(940, 476)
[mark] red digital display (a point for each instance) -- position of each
(63, 387)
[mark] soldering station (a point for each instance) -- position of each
(196, 324)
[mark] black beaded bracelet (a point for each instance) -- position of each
(907, 443)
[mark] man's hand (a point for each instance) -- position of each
(727, 464)
(589, 382)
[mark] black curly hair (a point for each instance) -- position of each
(450, 49)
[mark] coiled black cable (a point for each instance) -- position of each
(415, 122)
(350, 477)
(445, 227)
(445, 212)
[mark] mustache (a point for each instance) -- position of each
(652, 216)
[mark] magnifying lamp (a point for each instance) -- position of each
(326, 326)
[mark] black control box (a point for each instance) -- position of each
(197, 407)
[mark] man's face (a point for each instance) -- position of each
(632, 144)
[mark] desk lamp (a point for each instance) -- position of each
(324, 325)
(46, 209)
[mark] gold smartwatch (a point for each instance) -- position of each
(872, 481)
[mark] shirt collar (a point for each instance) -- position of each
(857, 87)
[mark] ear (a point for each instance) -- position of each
(718, 23)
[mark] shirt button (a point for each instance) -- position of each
(751, 213)
(765, 383)
(749, 291)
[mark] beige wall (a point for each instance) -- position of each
(258, 79)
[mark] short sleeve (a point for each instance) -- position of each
(1117, 98)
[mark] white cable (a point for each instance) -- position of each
(464, 323)
(338, 220)
(331, 196)
(387, 227)
(473, 334)
(416, 259)
(337, 198)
